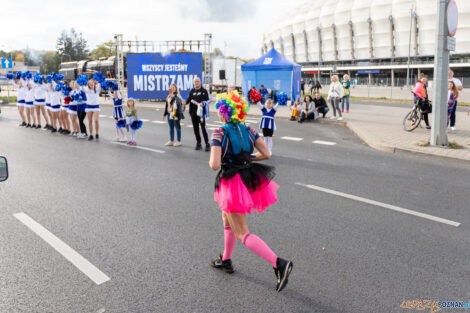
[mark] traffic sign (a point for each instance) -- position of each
(450, 43)
(452, 18)
(7, 63)
(368, 72)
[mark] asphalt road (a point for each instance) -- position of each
(147, 220)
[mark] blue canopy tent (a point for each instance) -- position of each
(273, 71)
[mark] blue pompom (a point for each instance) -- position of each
(58, 77)
(59, 86)
(82, 80)
(18, 75)
(282, 98)
(10, 76)
(66, 89)
(99, 77)
(49, 78)
(135, 125)
(121, 123)
(114, 86)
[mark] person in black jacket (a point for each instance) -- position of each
(320, 104)
(195, 98)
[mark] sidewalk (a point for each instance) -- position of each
(381, 128)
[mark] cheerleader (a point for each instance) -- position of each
(118, 113)
(20, 85)
(267, 124)
(131, 116)
(63, 114)
(242, 186)
(72, 109)
(93, 107)
(56, 107)
(48, 92)
(40, 100)
(29, 103)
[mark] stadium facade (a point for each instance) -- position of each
(362, 36)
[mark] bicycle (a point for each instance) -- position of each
(413, 119)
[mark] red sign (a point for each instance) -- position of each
(311, 72)
(452, 18)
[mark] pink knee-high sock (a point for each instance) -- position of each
(258, 246)
(230, 241)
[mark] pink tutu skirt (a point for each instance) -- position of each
(234, 197)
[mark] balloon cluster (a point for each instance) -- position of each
(121, 123)
(282, 98)
(135, 125)
(255, 96)
(82, 80)
(232, 107)
(99, 77)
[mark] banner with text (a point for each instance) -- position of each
(149, 75)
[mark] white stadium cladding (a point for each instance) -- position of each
(365, 33)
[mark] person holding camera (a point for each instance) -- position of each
(174, 113)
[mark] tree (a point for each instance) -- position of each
(105, 50)
(19, 57)
(50, 62)
(72, 45)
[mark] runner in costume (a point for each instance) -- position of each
(242, 186)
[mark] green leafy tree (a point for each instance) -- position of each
(50, 62)
(72, 46)
(105, 50)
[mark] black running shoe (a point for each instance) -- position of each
(38, 127)
(225, 266)
(66, 132)
(48, 127)
(97, 136)
(208, 147)
(53, 130)
(90, 138)
(60, 130)
(28, 126)
(282, 272)
(33, 126)
(23, 124)
(198, 147)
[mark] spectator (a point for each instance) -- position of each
(174, 113)
(295, 109)
(195, 98)
(459, 86)
(308, 110)
(264, 93)
(302, 87)
(421, 94)
(453, 94)
(316, 87)
(335, 94)
(248, 95)
(320, 104)
(347, 91)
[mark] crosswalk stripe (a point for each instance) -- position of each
(103, 115)
(138, 147)
(292, 138)
(145, 120)
(327, 143)
(158, 122)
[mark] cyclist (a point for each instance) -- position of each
(421, 94)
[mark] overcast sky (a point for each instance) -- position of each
(238, 23)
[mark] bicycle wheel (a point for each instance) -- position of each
(411, 120)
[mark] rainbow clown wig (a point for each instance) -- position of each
(232, 107)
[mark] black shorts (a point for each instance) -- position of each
(267, 132)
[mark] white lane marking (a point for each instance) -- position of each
(218, 122)
(67, 252)
(252, 121)
(327, 143)
(144, 120)
(103, 115)
(190, 126)
(158, 122)
(110, 116)
(157, 109)
(138, 147)
(213, 125)
(213, 128)
(383, 205)
(292, 138)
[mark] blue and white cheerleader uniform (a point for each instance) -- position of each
(55, 98)
(21, 92)
(267, 123)
(118, 112)
(29, 97)
(39, 94)
(93, 99)
(48, 96)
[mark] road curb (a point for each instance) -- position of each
(395, 150)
